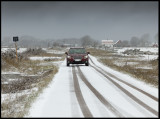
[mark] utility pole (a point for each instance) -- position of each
(15, 39)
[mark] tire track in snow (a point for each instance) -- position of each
(84, 108)
(98, 95)
(150, 109)
(140, 90)
(76, 111)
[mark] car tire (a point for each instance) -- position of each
(67, 64)
(87, 64)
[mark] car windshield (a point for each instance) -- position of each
(77, 51)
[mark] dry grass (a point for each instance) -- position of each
(148, 75)
(23, 103)
(17, 101)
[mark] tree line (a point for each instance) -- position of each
(143, 41)
(31, 42)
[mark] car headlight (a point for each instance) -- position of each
(69, 57)
(85, 57)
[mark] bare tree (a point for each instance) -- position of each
(124, 43)
(86, 40)
(134, 41)
(95, 44)
(55, 44)
(145, 40)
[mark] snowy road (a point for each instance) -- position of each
(95, 91)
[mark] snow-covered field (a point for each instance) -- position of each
(20, 50)
(43, 58)
(154, 50)
(118, 50)
(53, 51)
(13, 96)
(59, 98)
(151, 49)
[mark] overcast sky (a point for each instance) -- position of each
(100, 20)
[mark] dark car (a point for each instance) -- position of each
(77, 56)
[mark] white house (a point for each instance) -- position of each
(108, 43)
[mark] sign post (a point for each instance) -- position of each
(15, 39)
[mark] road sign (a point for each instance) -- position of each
(15, 39)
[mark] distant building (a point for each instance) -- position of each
(107, 43)
(155, 45)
